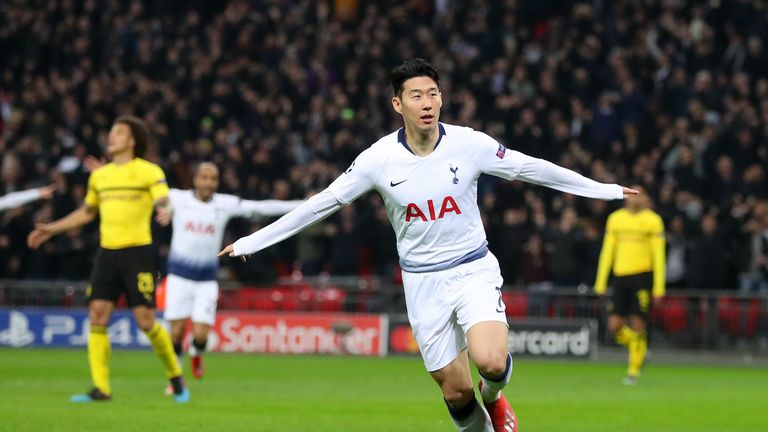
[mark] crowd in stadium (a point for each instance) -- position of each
(282, 95)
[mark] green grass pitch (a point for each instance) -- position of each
(284, 393)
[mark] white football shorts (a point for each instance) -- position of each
(443, 305)
(185, 298)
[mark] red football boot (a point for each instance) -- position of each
(503, 417)
(198, 368)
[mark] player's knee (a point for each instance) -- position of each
(98, 316)
(492, 364)
(637, 324)
(145, 324)
(200, 336)
(614, 326)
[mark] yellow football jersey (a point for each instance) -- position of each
(125, 195)
(634, 243)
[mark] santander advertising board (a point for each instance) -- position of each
(305, 333)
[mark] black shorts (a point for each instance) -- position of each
(631, 295)
(132, 271)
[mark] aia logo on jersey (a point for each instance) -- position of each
(449, 205)
(199, 228)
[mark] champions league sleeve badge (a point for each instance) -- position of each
(500, 152)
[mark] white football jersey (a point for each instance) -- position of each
(198, 229)
(431, 201)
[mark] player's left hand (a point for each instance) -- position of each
(46, 192)
(628, 192)
(230, 251)
(39, 235)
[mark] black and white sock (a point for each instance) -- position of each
(472, 417)
(198, 347)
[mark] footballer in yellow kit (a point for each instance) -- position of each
(634, 249)
(124, 194)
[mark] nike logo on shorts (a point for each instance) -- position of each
(393, 184)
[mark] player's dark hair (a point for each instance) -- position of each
(139, 131)
(410, 69)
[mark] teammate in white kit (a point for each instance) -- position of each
(427, 174)
(199, 218)
(16, 199)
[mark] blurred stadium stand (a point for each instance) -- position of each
(283, 94)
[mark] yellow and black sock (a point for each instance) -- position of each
(99, 351)
(161, 343)
(637, 350)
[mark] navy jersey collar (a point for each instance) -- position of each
(401, 137)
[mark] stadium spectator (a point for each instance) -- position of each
(707, 254)
(754, 248)
(677, 250)
(346, 244)
(567, 243)
(511, 238)
(536, 262)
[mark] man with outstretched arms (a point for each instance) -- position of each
(199, 218)
(123, 194)
(427, 173)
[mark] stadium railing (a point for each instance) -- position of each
(684, 319)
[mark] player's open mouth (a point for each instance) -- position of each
(427, 118)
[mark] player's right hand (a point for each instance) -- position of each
(230, 251)
(91, 163)
(39, 235)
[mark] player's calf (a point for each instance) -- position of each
(178, 348)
